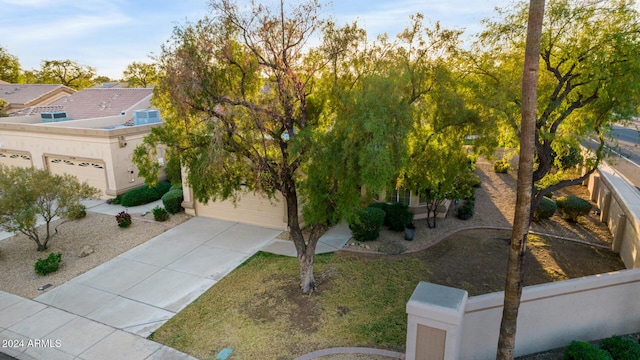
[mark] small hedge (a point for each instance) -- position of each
(160, 214)
(573, 207)
(366, 226)
(384, 207)
(76, 212)
(465, 212)
(621, 348)
(545, 209)
(398, 216)
(501, 166)
(172, 201)
(580, 350)
(145, 194)
(48, 265)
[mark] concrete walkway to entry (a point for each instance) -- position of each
(107, 312)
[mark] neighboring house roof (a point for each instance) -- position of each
(94, 103)
(24, 95)
(112, 85)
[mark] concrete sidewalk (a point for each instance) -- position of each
(107, 312)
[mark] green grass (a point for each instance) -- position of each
(259, 311)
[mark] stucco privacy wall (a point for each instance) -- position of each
(619, 203)
(552, 315)
(76, 141)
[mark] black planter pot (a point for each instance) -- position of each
(409, 233)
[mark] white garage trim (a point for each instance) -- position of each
(89, 170)
(15, 158)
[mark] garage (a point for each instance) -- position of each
(15, 158)
(254, 209)
(91, 171)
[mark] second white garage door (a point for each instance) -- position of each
(93, 172)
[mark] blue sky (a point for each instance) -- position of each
(110, 34)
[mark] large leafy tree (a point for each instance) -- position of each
(66, 72)
(590, 77)
(139, 74)
(9, 67)
(30, 194)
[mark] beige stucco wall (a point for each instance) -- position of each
(80, 143)
(552, 315)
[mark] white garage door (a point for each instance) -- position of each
(252, 209)
(93, 172)
(15, 158)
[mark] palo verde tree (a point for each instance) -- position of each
(589, 78)
(27, 194)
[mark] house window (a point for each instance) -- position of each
(400, 195)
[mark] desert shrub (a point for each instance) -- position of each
(145, 194)
(160, 214)
(172, 201)
(76, 212)
(475, 181)
(123, 219)
(501, 166)
(398, 216)
(572, 207)
(465, 212)
(621, 348)
(546, 208)
(366, 226)
(580, 350)
(48, 264)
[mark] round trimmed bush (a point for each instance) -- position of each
(621, 348)
(501, 166)
(145, 194)
(384, 207)
(160, 214)
(367, 223)
(172, 201)
(573, 207)
(545, 209)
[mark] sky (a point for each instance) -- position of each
(110, 34)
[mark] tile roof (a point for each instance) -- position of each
(25, 93)
(93, 103)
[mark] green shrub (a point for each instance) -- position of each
(177, 186)
(384, 207)
(465, 212)
(172, 201)
(621, 348)
(398, 216)
(160, 214)
(572, 207)
(145, 194)
(545, 209)
(580, 350)
(48, 265)
(547, 195)
(76, 212)
(501, 166)
(123, 219)
(116, 200)
(366, 226)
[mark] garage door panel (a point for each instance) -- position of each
(14, 158)
(93, 172)
(251, 208)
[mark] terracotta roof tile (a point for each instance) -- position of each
(24, 93)
(93, 103)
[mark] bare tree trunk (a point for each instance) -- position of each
(522, 217)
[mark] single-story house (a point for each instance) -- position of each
(21, 96)
(90, 134)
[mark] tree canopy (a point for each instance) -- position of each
(9, 67)
(65, 72)
(589, 79)
(139, 74)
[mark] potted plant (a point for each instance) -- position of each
(409, 228)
